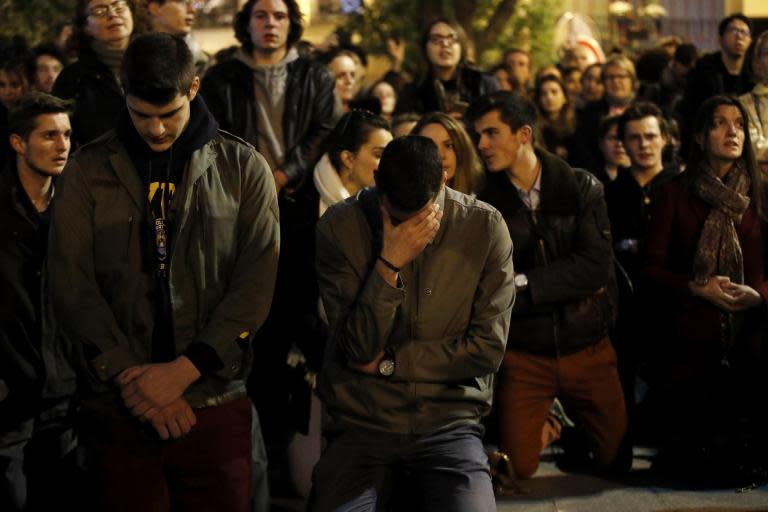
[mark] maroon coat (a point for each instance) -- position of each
(689, 327)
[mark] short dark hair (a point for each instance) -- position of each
(723, 26)
(515, 110)
(686, 54)
(242, 24)
(51, 50)
(606, 124)
(641, 110)
(22, 118)
(410, 172)
(157, 67)
(351, 132)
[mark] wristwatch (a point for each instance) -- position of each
(521, 282)
(387, 365)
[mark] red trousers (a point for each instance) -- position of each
(208, 469)
(587, 381)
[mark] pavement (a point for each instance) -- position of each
(552, 490)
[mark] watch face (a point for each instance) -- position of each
(386, 367)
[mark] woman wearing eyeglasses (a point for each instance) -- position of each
(449, 84)
(102, 30)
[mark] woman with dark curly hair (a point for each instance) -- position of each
(102, 30)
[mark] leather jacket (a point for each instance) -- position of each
(565, 251)
(310, 109)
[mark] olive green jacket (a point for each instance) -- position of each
(446, 325)
(223, 262)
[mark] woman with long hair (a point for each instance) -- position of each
(353, 151)
(101, 33)
(705, 260)
(460, 160)
(557, 118)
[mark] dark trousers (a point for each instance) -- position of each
(588, 381)
(362, 470)
(38, 469)
(210, 468)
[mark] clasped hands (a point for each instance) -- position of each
(727, 295)
(153, 393)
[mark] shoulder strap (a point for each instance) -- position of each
(369, 202)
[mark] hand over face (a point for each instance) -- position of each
(401, 244)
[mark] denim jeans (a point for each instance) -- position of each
(362, 470)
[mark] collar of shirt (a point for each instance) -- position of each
(531, 198)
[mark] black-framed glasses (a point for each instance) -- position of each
(441, 39)
(102, 11)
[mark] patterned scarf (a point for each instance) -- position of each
(719, 251)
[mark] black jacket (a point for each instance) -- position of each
(423, 97)
(629, 210)
(33, 363)
(310, 109)
(565, 251)
(97, 95)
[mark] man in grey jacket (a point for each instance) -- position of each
(163, 252)
(416, 280)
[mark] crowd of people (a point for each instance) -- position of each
(265, 271)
